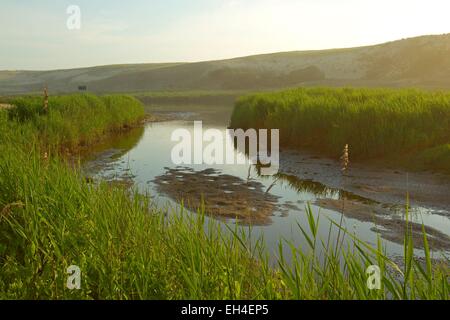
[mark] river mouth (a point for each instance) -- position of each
(274, 206)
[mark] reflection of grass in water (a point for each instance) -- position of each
(310, 186)
(316, 188)
(128, 140)
(121, 143)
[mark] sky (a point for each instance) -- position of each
(34, 33)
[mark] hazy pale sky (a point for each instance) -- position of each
(34, 34)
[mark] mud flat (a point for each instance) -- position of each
(390, 227)
(425, 189)
(223, 196)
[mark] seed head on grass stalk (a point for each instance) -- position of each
(345, 162)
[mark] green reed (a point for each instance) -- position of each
(376, 123)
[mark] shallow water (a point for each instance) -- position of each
(147, 154)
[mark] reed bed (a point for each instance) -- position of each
(376, 123)
(75, 120)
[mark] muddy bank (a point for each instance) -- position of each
(103, 160)
(390, 227)
(428, 190)
(222, 195)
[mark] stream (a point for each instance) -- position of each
(142, 157)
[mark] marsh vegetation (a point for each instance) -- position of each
(402, 127)
(52, 217)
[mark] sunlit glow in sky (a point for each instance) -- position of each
(34, 34)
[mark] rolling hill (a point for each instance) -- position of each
(415, 62)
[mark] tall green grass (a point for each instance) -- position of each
(75, 120)
(374, 122)
(51, 218)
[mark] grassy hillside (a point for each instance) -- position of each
(377, 123)
(22, 81)
(417, 62)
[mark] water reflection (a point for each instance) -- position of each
(101, 156)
